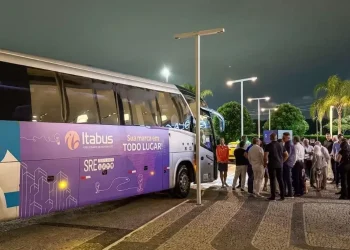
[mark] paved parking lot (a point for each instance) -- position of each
(226, 220)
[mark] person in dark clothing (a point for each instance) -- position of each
(288, 165)
(266, 174)
(328, 144)
(343, 158)
(262, 143)
(244, 138)
(275, 155)
(250, 172)
(241, 165)
(335, 151)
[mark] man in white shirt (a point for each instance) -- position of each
(256, 159)
(308, 157)
(297, 171)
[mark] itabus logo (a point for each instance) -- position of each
(72, 140)
(94, 140)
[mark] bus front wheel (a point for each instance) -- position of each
(182, 186)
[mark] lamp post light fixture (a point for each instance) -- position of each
(166, 73)
(230, 83)
(197, 35)
(269, 109)
(258, 99)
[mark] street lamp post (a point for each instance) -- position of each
(197, 35)
(229, 83)
(269, 109)
(258, 99)
(331, 120)
(166, 73)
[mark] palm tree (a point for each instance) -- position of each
(318, 112)
(336, 94)
(204, 93)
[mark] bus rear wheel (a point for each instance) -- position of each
(182, 186)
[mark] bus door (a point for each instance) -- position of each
(207, 152)
(208, 144)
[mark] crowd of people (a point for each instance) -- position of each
(289, 163)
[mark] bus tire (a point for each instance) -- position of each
(183, 184)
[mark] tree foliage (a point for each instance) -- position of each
(345, 125)
(288, 117)
(192, 88)
(231, 111)
(335, 92)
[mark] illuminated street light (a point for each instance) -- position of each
(197, 35)
(269, 109)
(266, 98)
(166, 73)
(230, 83)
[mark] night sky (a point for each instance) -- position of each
(289, 45)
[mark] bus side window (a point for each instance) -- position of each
(107, 106)
(170, 116)
(140, 104)
(15, 98)
(184, 111)
(46, 101)
(81, 101)
(122, 91)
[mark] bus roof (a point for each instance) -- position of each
(86, 71)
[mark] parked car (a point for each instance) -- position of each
(232, 146)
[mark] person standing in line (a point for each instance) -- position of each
(308, 157)
(241, 166)
(343, 158)
(222, 154)
(275, 155)
(327, 159)
(246, 142)
(328, 144)
(266, 174)
(288, 164)
(335, 151)
(256, 159)
(318, 163)
(333, 161)
(297, 171)
(246, 146)
(250, 172)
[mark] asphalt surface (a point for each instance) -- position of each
(226, 220)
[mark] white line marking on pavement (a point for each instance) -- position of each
(144, 225)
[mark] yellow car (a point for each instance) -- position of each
(232, 146)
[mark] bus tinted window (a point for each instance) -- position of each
(81, 103)
(14, 93)
(46, 101)
(184, 111)
(106, 103)
(139, 106)
(170, 117)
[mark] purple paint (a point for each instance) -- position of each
(48, 186)
(55, 141)
(98, 163)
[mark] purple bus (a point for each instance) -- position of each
(72, 135)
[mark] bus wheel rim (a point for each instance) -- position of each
(184, 182)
